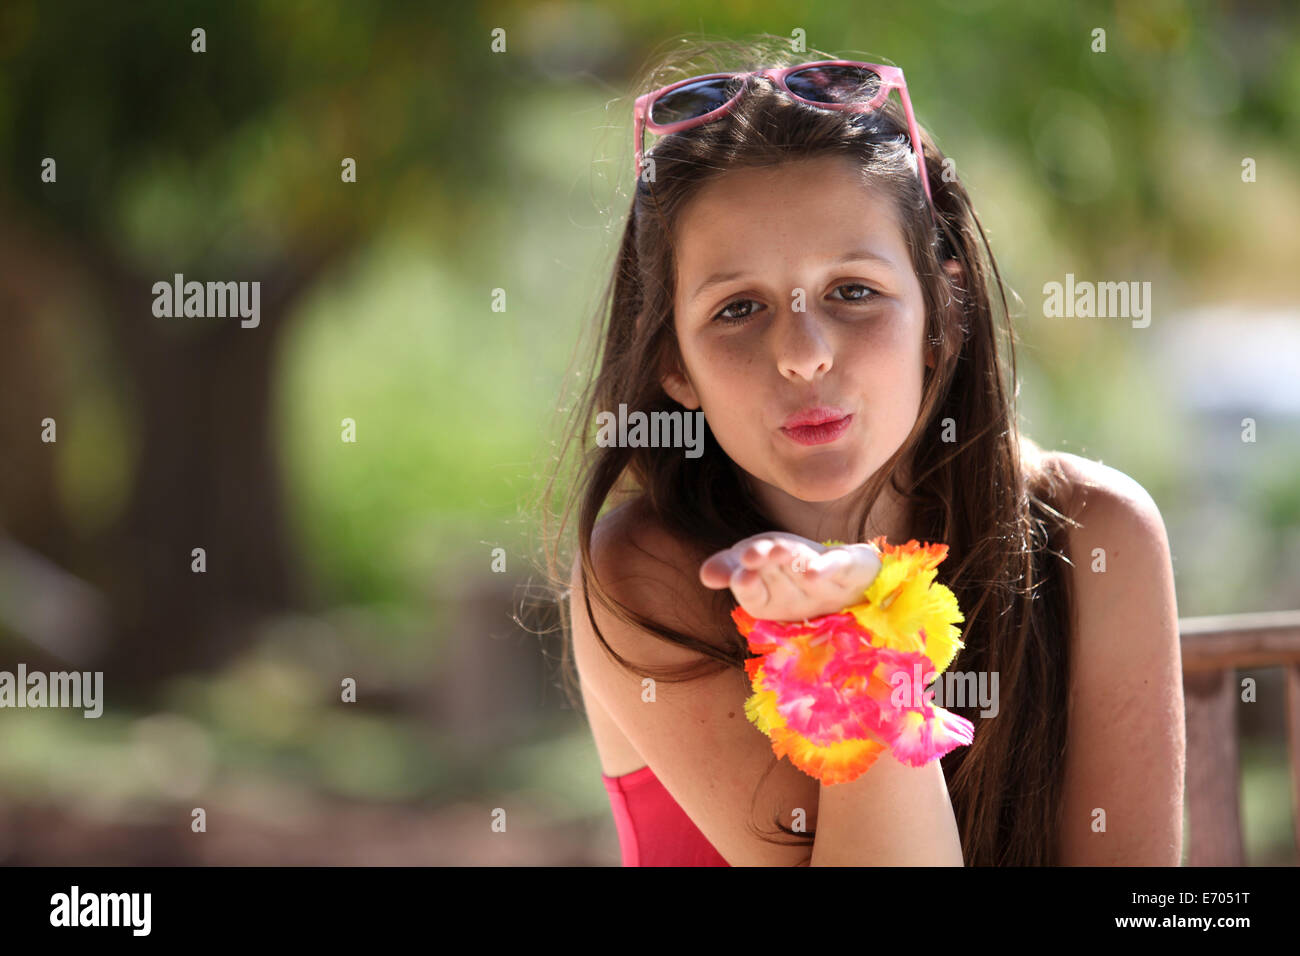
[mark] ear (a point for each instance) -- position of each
(954, 270)
(680, 389)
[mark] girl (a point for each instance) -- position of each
(789, 270)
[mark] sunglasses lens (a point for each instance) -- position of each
(834, 84)
(694, 99)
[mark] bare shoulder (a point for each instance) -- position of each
(649, 569)
(693, 734)
(1102, 495)
(1126, 746)
(1119, 549)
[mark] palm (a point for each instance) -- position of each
(784, 577)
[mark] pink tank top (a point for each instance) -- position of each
(653, 830)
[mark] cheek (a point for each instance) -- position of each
(724, 368)
(887, 351)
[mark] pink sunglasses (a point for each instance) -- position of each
(830, 84)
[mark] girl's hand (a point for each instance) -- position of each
(783, 577)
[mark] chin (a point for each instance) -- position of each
(833, 484)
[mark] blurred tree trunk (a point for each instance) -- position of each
(208, 474)
(28, 486)
(207, 477)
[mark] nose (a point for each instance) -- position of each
(803, 346)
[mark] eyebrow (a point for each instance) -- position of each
(856, 255)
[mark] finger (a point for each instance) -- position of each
(831, 568)
(750, 591)
(781, 562)
(755, 555)
(864, 565)
(804, 562)
(829, 563)
(847, 572)
(717, 570)
(795, 563)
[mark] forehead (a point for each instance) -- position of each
(821, 207)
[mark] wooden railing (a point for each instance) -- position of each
(1214, 649)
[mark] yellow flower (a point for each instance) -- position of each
(905, 610)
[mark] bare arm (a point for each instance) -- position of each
(1123, 785)
(921, 828)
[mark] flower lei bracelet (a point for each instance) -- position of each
(836, 691)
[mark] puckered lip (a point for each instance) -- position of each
(818, 415)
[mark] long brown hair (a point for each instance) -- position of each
(988, 494)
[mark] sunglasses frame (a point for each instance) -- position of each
(891, 78)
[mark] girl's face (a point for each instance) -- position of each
(795, 290)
